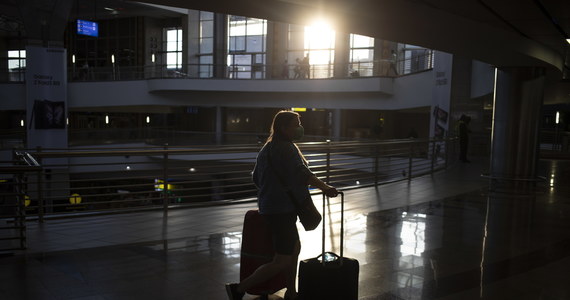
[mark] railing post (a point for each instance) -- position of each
(376, 150)
(20, 218)
(165, 199)
(446, 152)
(40, 188)
(410, 161)
(328, 171)
(433, 158)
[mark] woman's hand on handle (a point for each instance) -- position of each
(327, 189)
(331, 191)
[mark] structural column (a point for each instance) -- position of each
(220, 45)
(219, 125)
(342, 55)
(191, 43)
(277, 34)
(336, 122)
(516, 119)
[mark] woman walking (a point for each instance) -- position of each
(280, 165)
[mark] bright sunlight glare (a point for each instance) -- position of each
(319, 38)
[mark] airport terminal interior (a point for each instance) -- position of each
(129, 131)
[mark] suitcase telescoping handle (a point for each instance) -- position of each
(341, 194)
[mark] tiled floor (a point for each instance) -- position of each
(437, 237)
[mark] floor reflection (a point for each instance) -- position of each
(476, 245)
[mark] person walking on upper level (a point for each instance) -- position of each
(274, 204)
(297, 69)
(306, 67)
(285, 70)
(393, 63)
(464, 132)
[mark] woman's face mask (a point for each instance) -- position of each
(298, 133)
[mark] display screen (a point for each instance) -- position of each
(87, 28)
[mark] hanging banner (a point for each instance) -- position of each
(439, 121)
(46, 97)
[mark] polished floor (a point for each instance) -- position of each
(438, 237)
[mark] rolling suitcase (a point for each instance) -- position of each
(329, 276)
(256, 250)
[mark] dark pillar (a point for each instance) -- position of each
(220, 45)
(336, 122)
(509, 231)
(277, 35)
(341, 55)
(516, 119)
(219, 126)
(191, 43)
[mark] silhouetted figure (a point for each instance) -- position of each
(297, 69)
(84, 73)
(464, 137)
(393, 62)
(280, 163)
(412, 134)
(285, 70)
(305, 67)
(378, 127)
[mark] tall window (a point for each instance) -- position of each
(361, 55)
(415, 59)
(173, 48)
(246, 53)
(319, 48)
(315, 58)
(16, 64)
(206, 44)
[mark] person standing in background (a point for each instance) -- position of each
(464, 137)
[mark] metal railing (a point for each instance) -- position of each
(555, 140)
(14, 184)
(90, 181)
(156, 136)
(373, 68)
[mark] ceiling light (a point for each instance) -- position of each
(568, 40)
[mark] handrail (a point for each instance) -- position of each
(27, 158)
(15, 198)
(74, 182)
(357, 69)
(31, 164)
(59, 153)
(18, 169)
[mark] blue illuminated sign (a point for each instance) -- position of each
(87, 28)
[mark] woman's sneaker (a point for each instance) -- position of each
(233, 294)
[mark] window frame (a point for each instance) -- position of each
(168, 54)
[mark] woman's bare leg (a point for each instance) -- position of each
(292, 276)
(280, 263)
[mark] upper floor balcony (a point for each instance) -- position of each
(373, 76)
